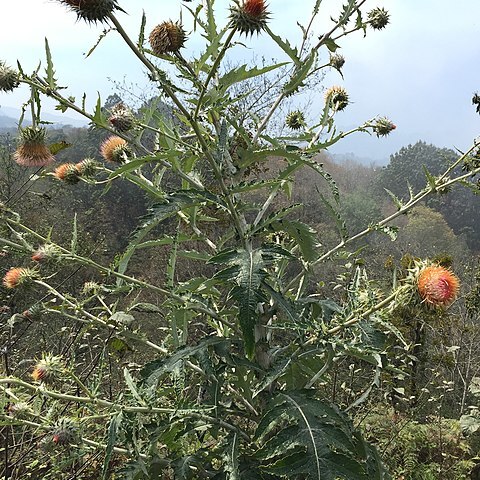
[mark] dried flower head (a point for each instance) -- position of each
(437, 286)
(250, 16)
(65, 431)
(115, 149)
(18, 276)
(337, 61)
(32, 150)
(92, 10)
(337, 97)
(122, 118)
(295, 120)
(67, 172)
(383, 126)
(8, 78)
(48, 368)
(87, 167)
(378, 18)
(168, 37)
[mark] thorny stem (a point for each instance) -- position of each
(238, 222)
(86, 441)
(41, 390)
(213, 70)
(440, 184)
(88, 262)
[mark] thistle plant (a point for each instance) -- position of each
(220, 372)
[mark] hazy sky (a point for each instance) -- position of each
(421, 71)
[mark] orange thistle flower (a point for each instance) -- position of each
(47, 368)
(437, 286)
(67, 172)
(249, 17)
(114, 149)
(16, 276)
(32, 151)
(255, 8)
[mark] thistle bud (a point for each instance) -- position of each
(32, 150)
(34, 312)
(115, 149)
(18, 276)
(122, 118)
(19, 410)
(295, 120)
(437, 286)
(87, 167)
(8, 78)
(337, 97)
(45, 252)
(92, 11)
(249, 17)
(383, 126)
(168, 37)
(65, 431)
(337, 61)
(48, 368)
(68, 173)
(378, 18)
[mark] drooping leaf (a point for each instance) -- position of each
(311, 438)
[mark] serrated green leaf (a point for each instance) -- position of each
(300, 74)
(243, 73)
(113, 429)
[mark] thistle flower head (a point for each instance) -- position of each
(337, 97)
(45, 252)
(8, 78)
(295, 120)
(48, 368)
(32, 150)
(168, 37)
(337, 61)
(18, 276)
(122, 118)
(250, 16)
(67, 172)
(92, 11)
(19, 409)
(383, 126)
(437, 286)
(65, 431)
(91, 288)
(87, 167)
(34, 312)
(115, 149)
(378, 18)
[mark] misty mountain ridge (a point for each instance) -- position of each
(9, 119)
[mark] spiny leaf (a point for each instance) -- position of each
(242, 73)
(300, 74)
(153, 371)
(52, 83)
(285, 46)
(320, 440)
(113, 428)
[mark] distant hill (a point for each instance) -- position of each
(9, 119)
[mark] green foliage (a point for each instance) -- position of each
(202, 344)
